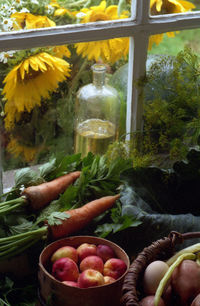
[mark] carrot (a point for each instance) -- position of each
(80, 217)
(39, 196)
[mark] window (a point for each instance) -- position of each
(139, 28)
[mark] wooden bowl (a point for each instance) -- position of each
(58, 294)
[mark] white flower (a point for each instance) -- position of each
(7, 24)
(12, 10)
(50, 9)
(80, 15)
(5, 55)
(34, 2)
(5, 7)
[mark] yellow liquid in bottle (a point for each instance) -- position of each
(94, 135)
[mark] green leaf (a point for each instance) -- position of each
(23, 226)
(27, 177)
(68, 198)
(68, 164)
(47, 168)
(104, 230)
(54, 206)
(56, 218)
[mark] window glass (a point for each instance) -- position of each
(171, 97)
(25, 15)
(161, 7)
(38, 90)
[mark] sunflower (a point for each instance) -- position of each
(107, 50)
(30, 21)
(160, 7)
(30, 81)
(18, 150)
(61, 51)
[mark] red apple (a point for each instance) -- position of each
(108, 280)
(70, 283)
(114, 267)
(65, 269)
(86, 249)
(92, 262)
(105, 252)
(65, 251)
(90, 278)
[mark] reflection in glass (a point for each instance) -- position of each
(23, 15)
(171, 97)
(38, 88)
(161, 7)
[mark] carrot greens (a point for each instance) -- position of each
(97, 178)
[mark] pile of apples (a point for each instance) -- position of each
(87, 265)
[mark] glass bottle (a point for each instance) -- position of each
(97, 112)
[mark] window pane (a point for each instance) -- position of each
(161, 7)
(39, 87)
(171, 97)
(22, 15)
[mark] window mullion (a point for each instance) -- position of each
(137, 67)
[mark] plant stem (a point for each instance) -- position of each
(13, 245)
(14, 201)
(42, 231)
(74, 83)
(16, 251)
(75, 4)
(8, 206)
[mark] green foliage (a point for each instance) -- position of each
(171, 109)
(56, 218)
(171, 104)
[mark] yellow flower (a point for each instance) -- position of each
(30, 21)
(27, 153)
(108, 50)
(160, 7)
(61, 51)
(30, 81)
(60, 11)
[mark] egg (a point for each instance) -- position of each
(153, 274)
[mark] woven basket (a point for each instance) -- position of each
(161, 249)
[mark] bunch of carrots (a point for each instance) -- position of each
(36, 198)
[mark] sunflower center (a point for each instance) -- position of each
(32, 74)
(166, 8)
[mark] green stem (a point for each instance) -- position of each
(16, 243)
(6, 210)
(16, 251)
(9, 192)
(14, 201)
(74, 83)
(42, 231)
(8, 206)
(75, 4)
